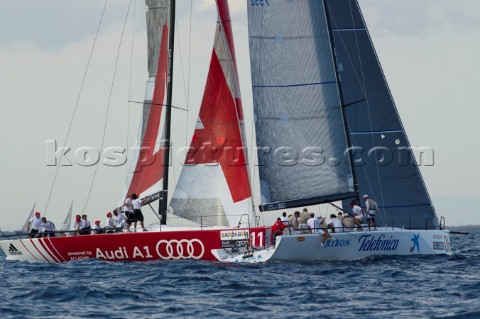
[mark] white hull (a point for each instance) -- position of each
(349, 246)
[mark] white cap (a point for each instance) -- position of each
(365, 196)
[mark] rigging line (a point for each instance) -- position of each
(183, 78)
(108, 106)
(151, 103)
(130, 84)
(181, 59)
(189, 69)
(76, 104)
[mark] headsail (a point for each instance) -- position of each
(68, 219)
(146, 168)
(213, 188)
(298, 116)
(376, 130)
(27, 222)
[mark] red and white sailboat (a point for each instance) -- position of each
(213, 191)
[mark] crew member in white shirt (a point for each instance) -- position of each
(35, 223)
(295, 223)
(314, 224)
(128, 209)
(77, 225)
(86, 227)
(47, 228)
(97, 229)
(137, 212)
(109, 223)
(358, 215)
(335, 224)
(284, 220)
(119, 219)
(372, 209)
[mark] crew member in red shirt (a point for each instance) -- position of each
(277, 229)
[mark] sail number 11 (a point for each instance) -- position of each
(259, 3)
(253, 239)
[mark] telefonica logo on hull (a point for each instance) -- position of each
(371, 243)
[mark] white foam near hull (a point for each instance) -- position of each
(349, 246)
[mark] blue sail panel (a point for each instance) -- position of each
(375, 126)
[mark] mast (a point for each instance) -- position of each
(342, 102)
(168, 116)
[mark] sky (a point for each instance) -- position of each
(429, 51)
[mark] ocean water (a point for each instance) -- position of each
(377, 287)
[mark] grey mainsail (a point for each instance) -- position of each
(299, 123)
(385, 165)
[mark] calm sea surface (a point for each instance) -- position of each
(379, 287)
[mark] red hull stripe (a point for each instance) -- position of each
(54, 248)
(28, 250)
(35, 246)
(43, 243)
(48, 243)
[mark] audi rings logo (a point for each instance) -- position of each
(180, 249)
